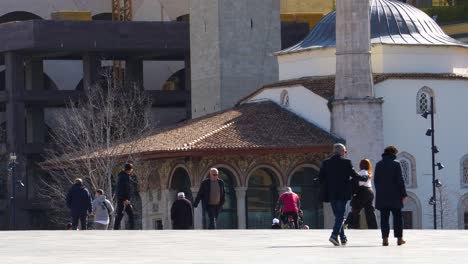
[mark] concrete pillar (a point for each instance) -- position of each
(15, 109)
(171, 197)
(91, 69)
(34, 71)
(241, 210)
(356, 113)
(35, 120)
(134, 72)
(231, 47)
(197, 212)
(188, 87)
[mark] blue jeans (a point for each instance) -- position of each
(338, 207)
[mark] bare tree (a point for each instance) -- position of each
(444, 208)
(85, 135)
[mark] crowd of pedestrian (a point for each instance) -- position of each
(339, 184)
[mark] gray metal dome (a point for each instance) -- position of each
(392, 22)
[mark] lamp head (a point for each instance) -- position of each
(425, 114)
(440, 166)
(435, 149)
(429, 132)
(432, 201)
(437, 183)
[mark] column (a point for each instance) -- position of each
(91, 69)
(241, 212)
(134, 72)
(197, 212)
(188, 92)
(171, 197)
(34, 80)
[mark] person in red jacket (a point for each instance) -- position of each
(289, 204)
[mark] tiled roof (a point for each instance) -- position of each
(324, 86)
(258, 126)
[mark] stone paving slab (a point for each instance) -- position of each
(229, 246)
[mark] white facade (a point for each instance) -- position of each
(301, 101)
(385, 59)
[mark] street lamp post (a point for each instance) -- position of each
(11, 170)
(14, 184)
(434, 150)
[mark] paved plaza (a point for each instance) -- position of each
(229, 246)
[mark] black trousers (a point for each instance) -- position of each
(83, 220)
(285, 216)
(129, 210)
(213, 212)
(397, 222)
(363, 200)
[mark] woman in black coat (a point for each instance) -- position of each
(390, 194)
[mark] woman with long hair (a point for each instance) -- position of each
(363, 197)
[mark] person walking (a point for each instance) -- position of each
(335, 178)
(212, 195)
(102, 210)
(79, 202)
(390, 194)
(182, 213)
(363, 199)
(123, 194)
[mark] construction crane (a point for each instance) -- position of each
(122, 10)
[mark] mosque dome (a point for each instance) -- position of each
(392, 23)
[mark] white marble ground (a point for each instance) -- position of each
(229, 246)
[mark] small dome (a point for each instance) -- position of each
(392, 22)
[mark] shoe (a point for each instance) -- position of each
(400, 241)
(344, 241)
(334, 240)
(385, 241)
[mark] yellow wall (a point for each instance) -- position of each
(307, 6)
(305, 11)
(455, 29)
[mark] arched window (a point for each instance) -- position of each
(181, 183)
(305, 183)
(464, 171)
(175, 82)
(408, 169)
(183, 18)
(261, 197)
(284, 98)
(18, 16)
(423, 100)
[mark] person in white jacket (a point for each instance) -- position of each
(363, 198)
(102, 210)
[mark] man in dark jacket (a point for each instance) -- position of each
(335, 177)
(211, 194)
(390, 194)
(79, 202)
(123, 192)
(181, 213)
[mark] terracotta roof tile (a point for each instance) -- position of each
(324, 86)
(249, 126)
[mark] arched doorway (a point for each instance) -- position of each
(261, 197)
(411, 212)
(227, 218)
(181, 183)
(305, 183)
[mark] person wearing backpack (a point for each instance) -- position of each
(102, 210)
